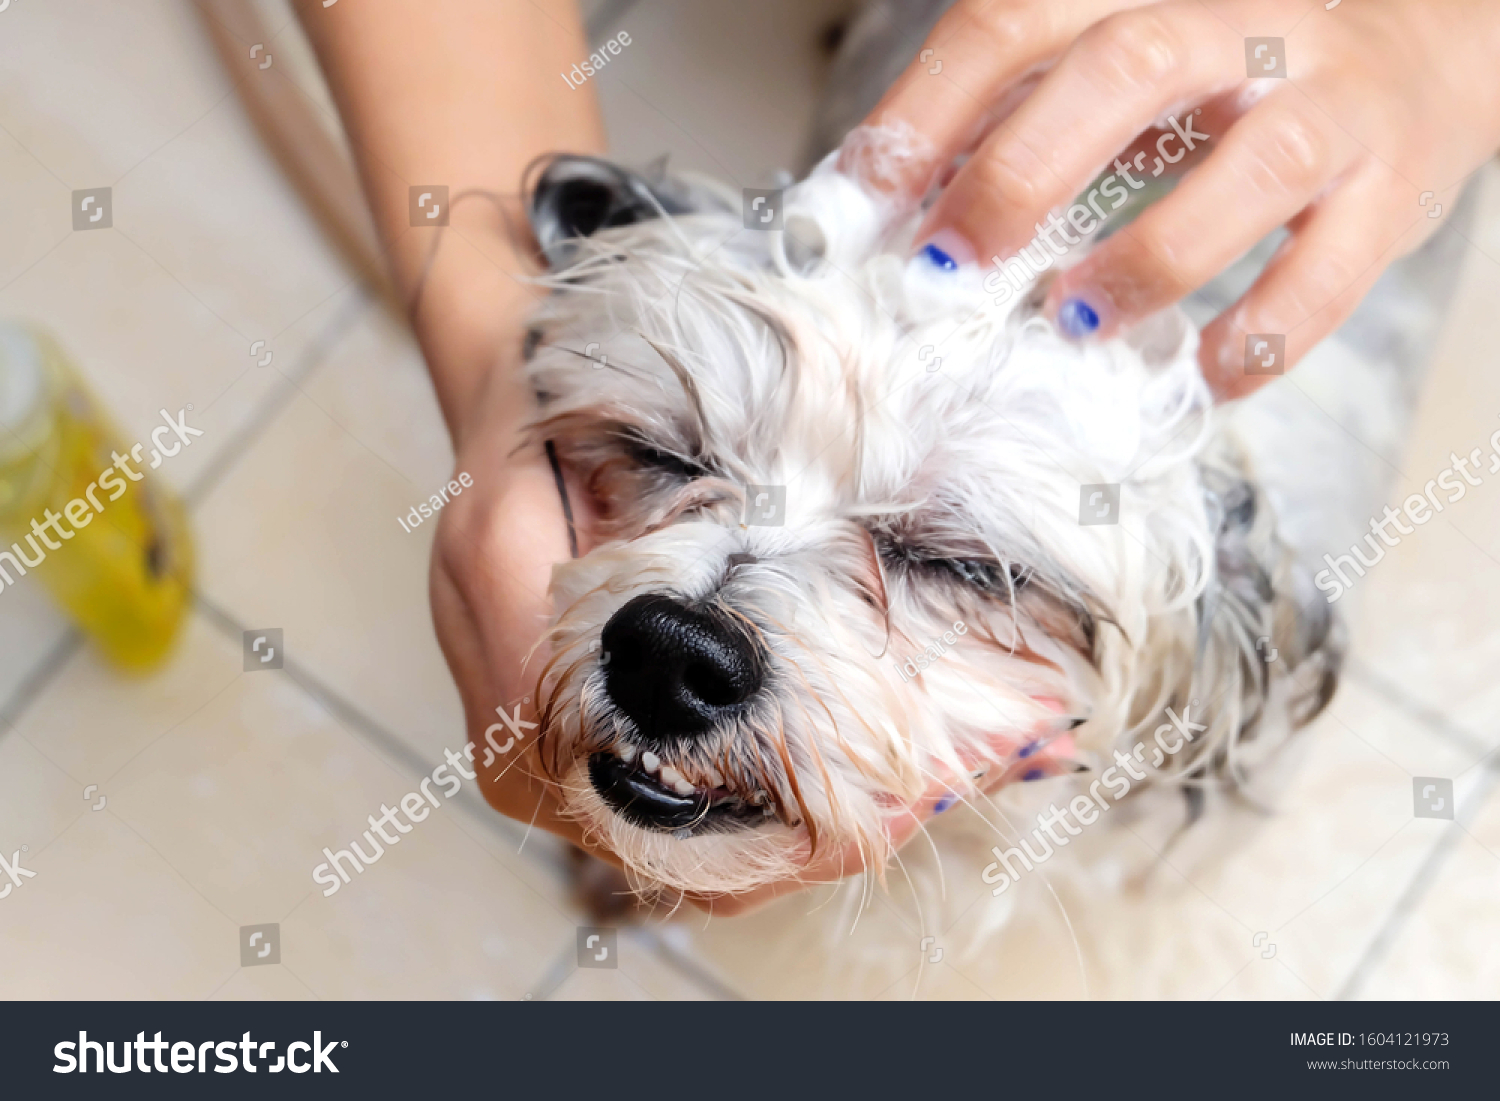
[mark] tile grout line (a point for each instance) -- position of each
(558, 972)
(34, 682)
(313, 357)
(390, 746)
(686, 964)
(1362, 673)
(1418, 887)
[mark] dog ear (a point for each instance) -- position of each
(1269, 649)
(575, 197)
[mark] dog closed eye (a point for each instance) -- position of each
(984, 574)
(987, 576)
(649, 456)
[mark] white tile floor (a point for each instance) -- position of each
(221, 788)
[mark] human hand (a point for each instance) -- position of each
(1388, 105)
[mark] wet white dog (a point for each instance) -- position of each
(814, 458)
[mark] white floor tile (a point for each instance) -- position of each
(93, 89)
(107, 917)
(1446, 948)
(30, 629)
(1427, 614)
(303, 534)
(38, 800)
(90, 720)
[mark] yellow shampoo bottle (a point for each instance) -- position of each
(108, 539)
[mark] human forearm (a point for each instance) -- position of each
(459, 93)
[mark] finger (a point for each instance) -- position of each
(1122, 73)
(954, 87)
(1313, 283)
(1270, 166)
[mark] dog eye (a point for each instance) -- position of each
(984, 574)
(648, 456)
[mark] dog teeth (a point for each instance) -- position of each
(676, 781)
(668, 776)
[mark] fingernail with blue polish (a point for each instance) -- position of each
(1034, 774)
(946, 251)
(938, 258)
(1027, 750)
(944, 803)
(1077, 318)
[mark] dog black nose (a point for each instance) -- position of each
(676, 671)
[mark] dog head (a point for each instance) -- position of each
(864, 530)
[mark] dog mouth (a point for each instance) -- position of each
(651, 794)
